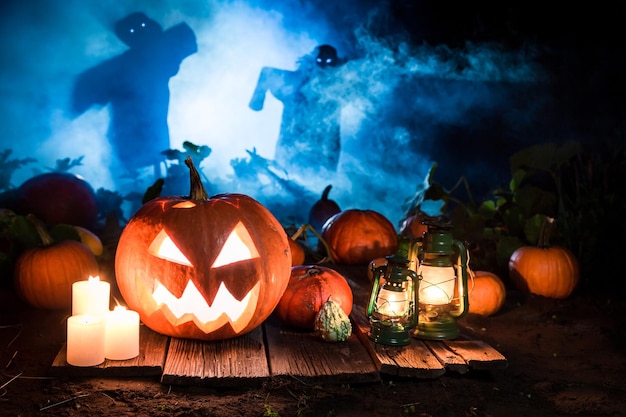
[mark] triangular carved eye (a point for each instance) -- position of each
(163, 247)
(238, 247)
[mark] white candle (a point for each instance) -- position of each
(91, 297)
(121, 340)
(85, 340)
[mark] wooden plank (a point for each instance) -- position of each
(381, 356)
(412, 361)
(451, 360)
(305, 356)
(478, 354)
(420, 359)
(233, 362)
(152, 350)
(417, 361)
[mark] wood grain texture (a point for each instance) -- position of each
(149, 362)
(227, 362)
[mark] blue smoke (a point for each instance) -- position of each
(405, 105)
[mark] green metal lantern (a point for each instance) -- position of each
(442, 293)
(392, 305)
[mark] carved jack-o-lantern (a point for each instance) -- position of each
(203, 268)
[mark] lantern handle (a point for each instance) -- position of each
(373, 292)
(462, 278)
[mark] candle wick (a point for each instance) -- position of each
(117, 302)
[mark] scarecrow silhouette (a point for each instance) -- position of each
(135, 85)
(309, 137)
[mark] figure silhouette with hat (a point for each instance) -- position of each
(135, 86)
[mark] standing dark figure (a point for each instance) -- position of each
(135, 84)
(310, 137)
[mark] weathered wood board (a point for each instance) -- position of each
(228, 362)
(450, 360)
(428, 359)
(152, 352)
(477, 354)
(274, 351)
(305, 356)
(414, 360)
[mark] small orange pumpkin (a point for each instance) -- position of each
(358, 236)
(310, 286)
(297, 252)
(549, 271)
(43, 276)
(487, 295)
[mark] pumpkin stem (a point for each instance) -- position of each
(302, 231)
(197, 190)
(42, 231)
(544, 232)
(312, 271)
(325, 192)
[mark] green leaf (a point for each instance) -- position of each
(505, 248)
(435, 192)
(517, 179)
(532, 228)
(534, 200)
(566, 152)
(488, 208)
(61, 232)
(514, 219)
(474, 228)
(431, 172)
(538, 157)
(501, 202)
(23, 233)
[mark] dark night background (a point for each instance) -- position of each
(464, 85)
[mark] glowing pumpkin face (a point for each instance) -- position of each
(203, 269)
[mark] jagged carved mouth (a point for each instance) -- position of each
(191, 306)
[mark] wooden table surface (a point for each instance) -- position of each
(272, 350)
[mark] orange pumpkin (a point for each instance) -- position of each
(359, 236)
(43, 276)
(487, 295)
(203, 268)
(308, 289)
(297, 253)
(549, 271)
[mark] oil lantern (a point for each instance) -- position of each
(392, 305)
(442, 293)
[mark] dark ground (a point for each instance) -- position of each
(566, 358)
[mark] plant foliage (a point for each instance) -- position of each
(581, 186)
